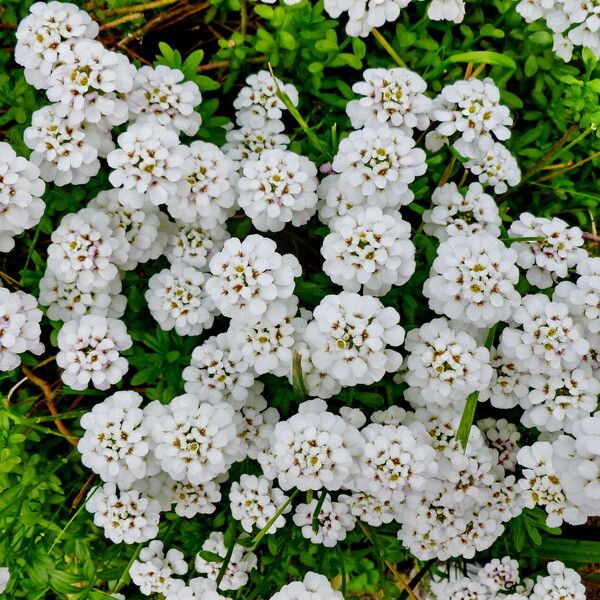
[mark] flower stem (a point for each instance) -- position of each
(261, 534)
(226, 560)
(387, 47)
(317, 511)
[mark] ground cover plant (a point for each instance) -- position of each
(299, 300)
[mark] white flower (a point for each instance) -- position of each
(127, 517)
(446, 10)
(395, 96)
(248, 143)
(381, 163)
(153, 571)
(115, 443)
(219, 372)
(508, 384)
(194, 244)
(256, 423)
(583, 298)
(556, 402)
(319, 384)
(496, 167)
(277, 188)
(193, 440)
(454, 213)
(502, 436)
(369, 249)
(462, 588)
(139, 230)
(65, 152)
(334, 521)
(375, 510)
(394, 460)
(89, 352)
(267, 345)
(206, 193)
(394, 415)
(65, 301)
(364, 15)
(561, 583)
(240, 564)
(500, 574)
(257, 103)
(312, 587)
(471, 108)
(159, 94)
(90, 81)
(546, 340)
(472, 280)
(84, 250)
(4, 579)
(177, 300)
(445, 365)
(549, 258)
(348, 337)
(254, 501)
(21, 191)
(577, 462)
(198, 588)
(313, 449)
(44, 33)
(337, 200)
(543, 487)
(562, 47)
(246, 275)
(148, 164)
(191, 500)
(19, 327)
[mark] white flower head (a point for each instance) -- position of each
(254, 501)
(139, 230)
(65, 151)
(364, 15)
(349, 335)
(21, 190)
(277, 188)
(89, 352)
(495, 167)
(257, 102)
(153, 570)
(472, 280)
(43, 33)
(19, 327)
(456, 214)
(337, 199)
(65, 301)
(334, 521)
(247, 143)
(194, 244)
(380, 163)
(177, 299)
(127, 517)
(206, 192)
(193, 440)
(394, 96)
(90, 81)
(561, 582)
(159, 94)
(313, 449)
(248, 274)
(445, 365)
(241, 562)
(472, 109)
(370, 249)
(148, 164)
(313, 585)
(549, 258)
(115, 443)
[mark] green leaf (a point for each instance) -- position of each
(298, 382)
(570, 551)
(484, 57)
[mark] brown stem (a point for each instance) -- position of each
(574, 166)
(139, 7)
(77, 500)
(49, 395)
(222, 64)
(590, 237)
(121, 20)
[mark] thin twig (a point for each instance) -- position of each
(49, 395)
(573, 166)
(121, 20)
(140, 7)
(387, 47)
(82, 492)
